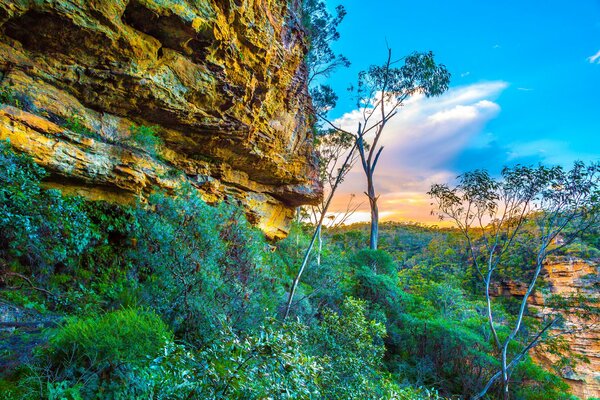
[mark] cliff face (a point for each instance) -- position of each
(583, 337)
(222, 82)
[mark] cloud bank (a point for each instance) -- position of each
(421, 144)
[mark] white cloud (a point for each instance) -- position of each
(595, 59)
(463, 113)
(420, 143)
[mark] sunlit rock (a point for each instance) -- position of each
(223, 81)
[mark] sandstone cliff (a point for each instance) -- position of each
(569, 277)
(222, 82)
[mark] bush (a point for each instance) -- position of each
(418, 393)
(10, 390)
(120, 337)
(350, 348)
(532, 382)
(101, 354)
(379, 261)
(266, 364)
(146, 137)
(75, 124)
(38, 227)
(200, 264)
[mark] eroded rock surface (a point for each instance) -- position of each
(223, 82)
(568, 277)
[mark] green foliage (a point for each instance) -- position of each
(10, 390)
(87, 356)
(379, 261)
(418, 393)
(9, 96)
(381, 324)
(320, 280)
(419, 74)
(321, 61)
(581, 250)
(322, 30)
(200, 264)
(146, 137)
(350, 347)
(428, 351)
(40, 228)
(119, 337)
(538, 384)
(75, 124)
(267, 364)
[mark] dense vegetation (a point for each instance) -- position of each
(176, 299)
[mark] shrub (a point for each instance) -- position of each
(454, 356)
(418, 393)
(126, 336)
(41, 228)
(200, 264)
(76, 125)
(350, 348)
(379, 261)
(9, 96)
(94, 355)
(267, 364)
(146, 137)
(10, 390)
(532, 382)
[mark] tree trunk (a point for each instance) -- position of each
(320, 249)
(505, 376)
(374, 213)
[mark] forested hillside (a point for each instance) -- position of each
(176, 192)
(178, 299)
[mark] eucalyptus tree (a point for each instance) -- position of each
(533, 205)
(381, 91)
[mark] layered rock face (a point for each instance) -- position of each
(565, 278)
(221, 81)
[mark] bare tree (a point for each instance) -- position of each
(333, 148)
(381, 91)
(493, 214)
(317, 230)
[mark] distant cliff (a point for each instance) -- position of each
(221, 84)
(568, 277)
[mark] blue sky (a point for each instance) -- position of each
(525, 89)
